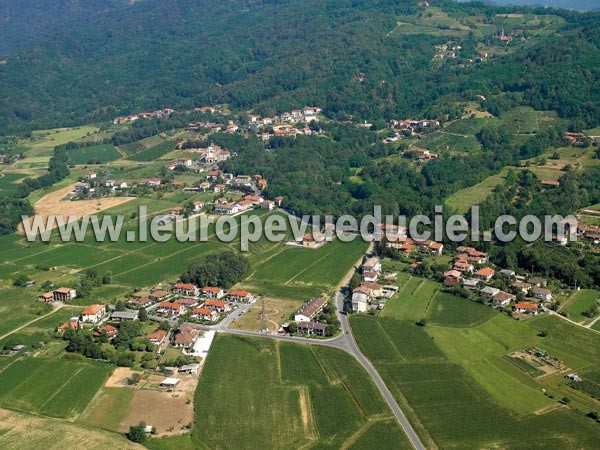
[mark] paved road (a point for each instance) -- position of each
(345, 341)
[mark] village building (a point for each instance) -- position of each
(452, 277)
(157, 337)
(119, 316)
(484, 274)
(74, 323)
(64, 294)
(541, 293)
(217, 305)
(240, 296)
(312, 328)
(310, 309)
(502, 299)
(93, 314)
(213, 292)
(170, 308)
(110, 331)
(526, 308)
(141, 302)
(203, 313)
(159, 295)
(360, 299)
(188, 289)
(371, 265)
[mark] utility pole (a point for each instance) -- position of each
(263, 320)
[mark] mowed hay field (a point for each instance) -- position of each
(51, 387)
(459, 391)
(579, 303)
(20, 431)
(308, 271)
(258, 393)
(95, 154)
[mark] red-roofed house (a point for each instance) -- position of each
(213, 292)
(452, 277)
(240, 296)
(485, 274)
(157, 337)
(170, 308)
(111, 331)
(93, 313)
(218, 305)
(526, 307)
(186, 289)
(205, 314)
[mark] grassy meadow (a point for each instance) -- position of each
(298, 396)
(459, 391)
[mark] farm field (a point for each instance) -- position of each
(59, 136)
(96, 154)
(9, 182)
(51, 387)
(449, 310)
(579, 303)
(317, 269)
(448, 405)
(462, 200)
(154, 152)
(19, 431)
(412, 300)
(300, 395)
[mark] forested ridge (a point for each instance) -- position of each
(272, 56)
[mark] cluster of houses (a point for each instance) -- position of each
(370, 294)
(144, 115)
(446, 51)
(305, 317)
(420, 154)
(209, 303)
(470, 271)
(226, 207)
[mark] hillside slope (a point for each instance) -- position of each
(25, 22)
(351, 57)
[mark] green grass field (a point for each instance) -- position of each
(297, 395)
(155, 152)
(579, 303)
(59, 136)
(96, 154)
(314, 270)
(412, 300)
(462, 200)
(450, 381)
(451, 311)
(51, 387)
(9, 182)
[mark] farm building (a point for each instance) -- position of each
(170, 382)
(93, 313)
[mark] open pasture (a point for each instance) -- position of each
(298, 395)
(96, 154)
(449, 407)
(51, 387)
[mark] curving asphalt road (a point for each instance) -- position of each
(345, 341)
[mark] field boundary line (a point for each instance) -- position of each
(60, 389)
(30, 322)
(308, 267)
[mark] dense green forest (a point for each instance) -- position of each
(272, 56)
(25, 22)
